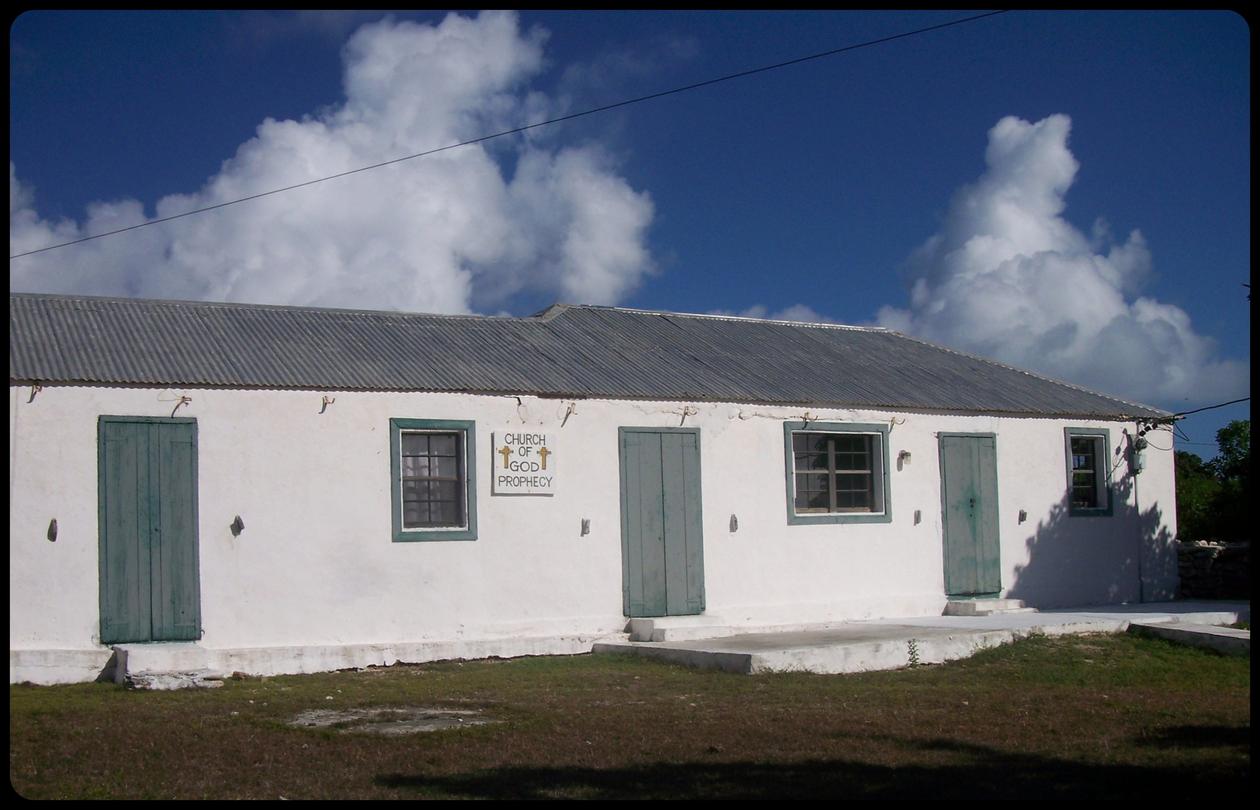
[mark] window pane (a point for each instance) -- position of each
(415, 514)
(812, 492)
(852, 444)
(1082, 453)
(445, 513)
(1085, 497)
(853, 461)
(415, 444)
(1086, 471)
(809, 442)
(811, 461)
(442, 444)
(415, 466)
(433, 483)
(445, 467)
(853, 492)
(812, 482)
(853, 483)
(809, 501)
(854, 473)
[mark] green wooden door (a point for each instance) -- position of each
(969, 504)
(150, 588)
(661, 543)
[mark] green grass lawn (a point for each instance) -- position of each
(1066, 717)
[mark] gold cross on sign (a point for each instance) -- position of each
(543, 453)
(506, 452)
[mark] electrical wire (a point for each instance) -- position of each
(1210, 407)
(570, 117)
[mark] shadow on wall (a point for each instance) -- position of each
(1076, 560)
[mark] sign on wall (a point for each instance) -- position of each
(524, 464)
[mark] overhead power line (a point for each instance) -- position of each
(1211, 407)
(570, 117)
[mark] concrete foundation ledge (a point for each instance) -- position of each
(1224, 640)
(174, 665)
(326, 658)
(49, 667)
(816, 652)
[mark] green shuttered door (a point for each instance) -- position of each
(150, 588)
(969, 496)
(662, 548)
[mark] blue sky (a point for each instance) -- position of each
(1064, 191)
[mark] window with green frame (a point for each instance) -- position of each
(836, 472)
(1088, 471)
(433, 479)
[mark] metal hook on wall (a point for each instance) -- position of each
(327, 401)
(183, 400)
(35, 389)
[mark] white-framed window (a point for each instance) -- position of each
(1088, 471)
(836, 472)
(433, 479)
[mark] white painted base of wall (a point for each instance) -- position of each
(763, 617)
(47, 667)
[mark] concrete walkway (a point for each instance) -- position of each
(893, 643)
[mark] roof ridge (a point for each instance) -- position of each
(245, 305)
(723, 317)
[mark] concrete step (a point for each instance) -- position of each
(985, 607)
(1224, 640)
(678, 628)
(164, 665)
(842, 649)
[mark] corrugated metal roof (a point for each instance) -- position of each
(572, 351)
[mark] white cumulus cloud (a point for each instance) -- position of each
(1007, 277)
(457, 231)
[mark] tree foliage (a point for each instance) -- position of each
(1213, 496)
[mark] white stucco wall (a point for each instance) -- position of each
(315, 564)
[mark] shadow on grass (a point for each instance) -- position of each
(1201, 737)
(982, 773)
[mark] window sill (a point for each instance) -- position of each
(1097, 512)
(427, 535)
(807, 518)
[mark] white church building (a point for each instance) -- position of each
(282, 489)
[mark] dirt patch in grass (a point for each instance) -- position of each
(389, 721)
(1062, 717)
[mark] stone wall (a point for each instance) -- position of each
(1214, 570)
